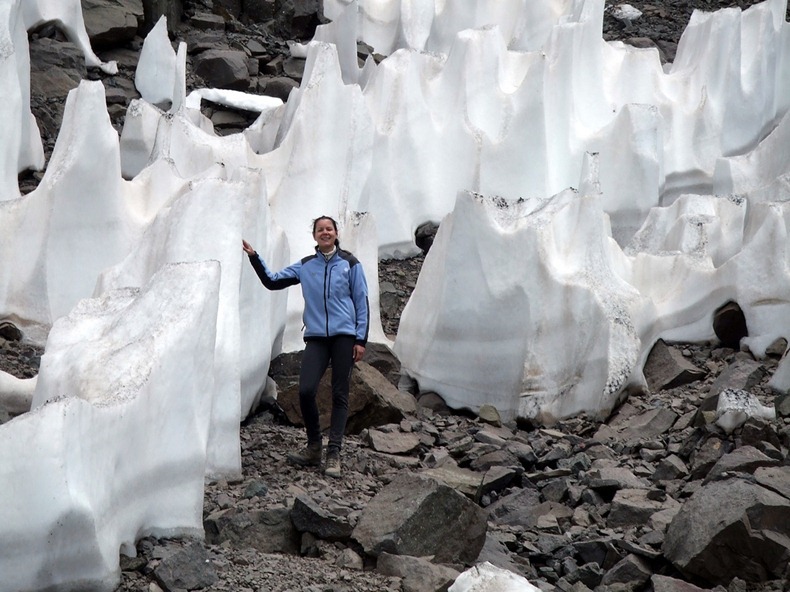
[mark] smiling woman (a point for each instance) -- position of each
(336, 321)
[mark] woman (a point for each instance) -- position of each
(336, 319)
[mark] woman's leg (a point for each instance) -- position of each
(342, 364)
(315, 360)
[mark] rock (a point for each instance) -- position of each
(112, 22)
(279, 87)
(416, 515)
(9, 331)
(630, 573)
(269, 531)
(259, 10)
(187, 569)
(206, 21)
(294, 68)
(372, 401)
(743, 374)
(496, 552)
(417, 574)
(782, 405)
(382, 359)
(633, 507)
(464, 481)
(489, 414)
(434, 402)
(608, 480)
(153, 10)
(666, 584)
(350, 559)
(299, 18)
(704, 457)
(640, 426)
(308, 516)
(393, 442)
(424, 235)
(745, 459)
(223, 68)
(774, 478)
(666, 368)
(777, 348)
(780, 381)
(730, 529)
(729, 324)
(672, 467)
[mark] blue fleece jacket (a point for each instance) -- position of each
(335, 293)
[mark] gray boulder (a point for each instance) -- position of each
(172, 10)
(112, 22)
(269, 531)
(223, 68)
(308, 516)
(187, 569)
(730, 529)
(372, 400)
(418, 516)
(666, 368)
(417, 574)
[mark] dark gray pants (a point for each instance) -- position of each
(315, 360)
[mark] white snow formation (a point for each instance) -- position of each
(591, 200)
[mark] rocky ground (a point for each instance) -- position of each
(583, 536)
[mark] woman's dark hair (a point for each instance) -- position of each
(332, 220)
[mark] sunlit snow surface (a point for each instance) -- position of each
(591, 200)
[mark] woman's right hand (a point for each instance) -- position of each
(247, 247)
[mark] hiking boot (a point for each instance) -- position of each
(332, 468)
(309, 456)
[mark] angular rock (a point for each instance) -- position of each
(187, 569)
(269, 531)
(633, 507)
(112, 22)
(223, 68)
(393, 442)
(744, 373)
(607, 480)
(729, 529)
(206, 21)
(372, 400)
(496, 479)
(774, 478)
(417, 574)
(9, 331)
(496, 552)
(672, 467)
(489, 414)
(644, 426)
(416, 515)
(746, 459)
(666, 584)
(259, 10)
(153, 10)
(666, 368)
(462, 480)
(780, 381)
(516, 508)
(707, 455)
(308, 516)
(630, 573)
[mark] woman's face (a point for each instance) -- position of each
(325, 235)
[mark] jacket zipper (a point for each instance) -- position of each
(326, 304)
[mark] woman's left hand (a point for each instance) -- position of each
(359, 351)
